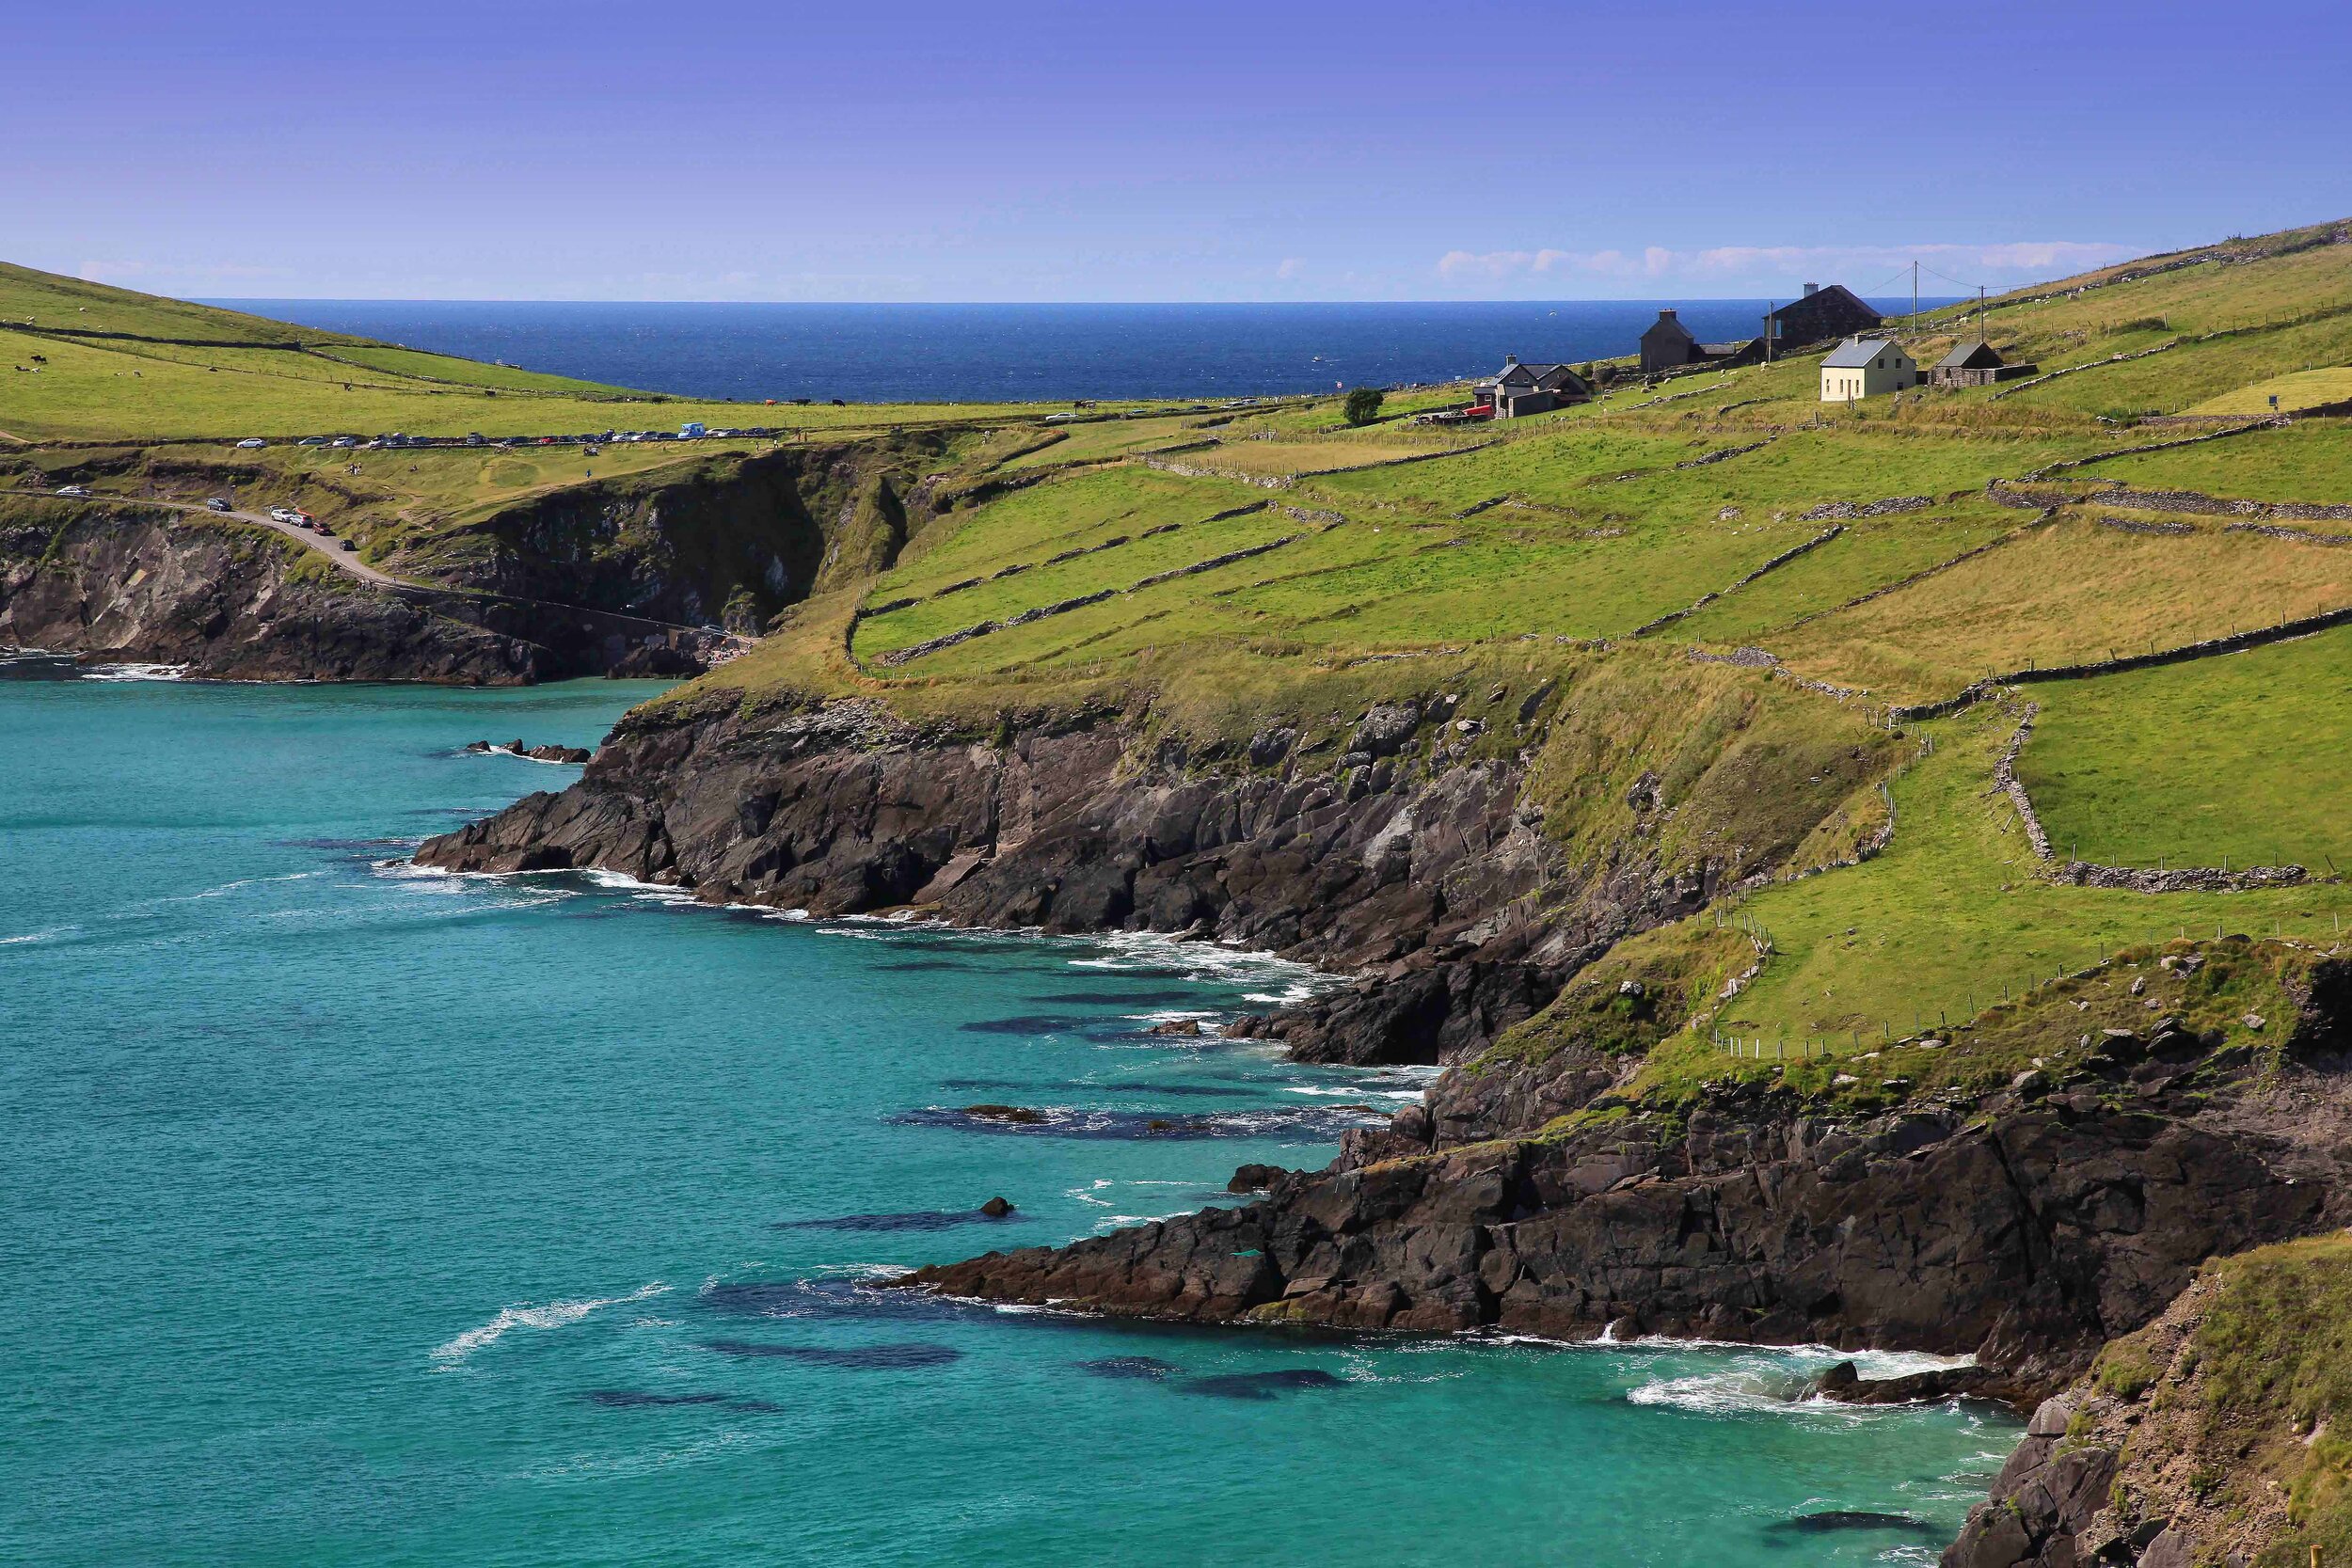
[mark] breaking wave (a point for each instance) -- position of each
(554, 1314)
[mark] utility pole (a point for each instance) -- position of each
(1769, 305)
(1915, 299)
(1980, 312)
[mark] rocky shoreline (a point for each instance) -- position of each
(2024, 1221)
(1423, 876)
(2023, 1230)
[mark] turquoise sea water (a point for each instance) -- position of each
(353, 1215)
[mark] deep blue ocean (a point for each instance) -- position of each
(350, 1214)
(996, 353)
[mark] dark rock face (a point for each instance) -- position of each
(657, 662)
(2026, 1240)
(145, 587)
(1416, 873)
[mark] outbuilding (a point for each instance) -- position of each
(1866, 367)
(1974, 362)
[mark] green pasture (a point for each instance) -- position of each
(2238, 759)
(1955, 912)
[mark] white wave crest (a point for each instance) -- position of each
(135, 671)
(553, 1314)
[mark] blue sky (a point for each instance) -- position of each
(1447, 149)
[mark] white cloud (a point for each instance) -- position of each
(1292, 267)
(1762, 268)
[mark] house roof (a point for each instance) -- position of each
(1856, 353)
(1821, 295)
(1518, 371)
(1666, 323)
(1971, 354)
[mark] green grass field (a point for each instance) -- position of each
(2073, 592)
(2296, 390)
(1953, 912)
(2239, 758)
(2308, 461)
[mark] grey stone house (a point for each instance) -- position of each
(1520, 390)
(1820, 315)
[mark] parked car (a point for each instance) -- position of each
(473, 437)
(311, 441)
(74, 490)
(217, 504)
(346, 441)
(253, 442)
(692, 429)
(351, 543)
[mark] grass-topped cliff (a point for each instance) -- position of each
(1861, 567)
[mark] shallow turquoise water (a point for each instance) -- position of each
(349, 1215)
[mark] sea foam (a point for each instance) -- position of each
(553, 1314)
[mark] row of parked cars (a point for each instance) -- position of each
(295, 516)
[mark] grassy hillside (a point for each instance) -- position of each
(84, 361)
(1714, 555)
(1893, 554)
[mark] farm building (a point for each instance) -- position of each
(1518, 389)
(1974, 362)
(1821, 314)
(1670, 346)
(1866, 367)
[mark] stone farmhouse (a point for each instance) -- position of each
(1670, 346)
(1821, 315)
(1866, 367)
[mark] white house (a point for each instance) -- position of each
(1866, 367)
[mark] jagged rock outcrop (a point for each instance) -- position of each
(149, 587)
(1426, 875)
(2024, 1233)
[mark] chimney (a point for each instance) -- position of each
(1813, 288)
(1510, 358)
(1665, 315)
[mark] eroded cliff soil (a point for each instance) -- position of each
(151, 587)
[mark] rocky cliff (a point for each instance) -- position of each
(1428, 874)
(235, 603)
(734, 538)
(2023, 1232)
(1404, 845)
(2209, 1437)
(731, 539)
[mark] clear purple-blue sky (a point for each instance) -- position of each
(914, 149)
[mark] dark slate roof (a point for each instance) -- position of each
(1814, 301)
(1973, 354)
(1537, 374)
(1856, 353)
(1666, 323)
